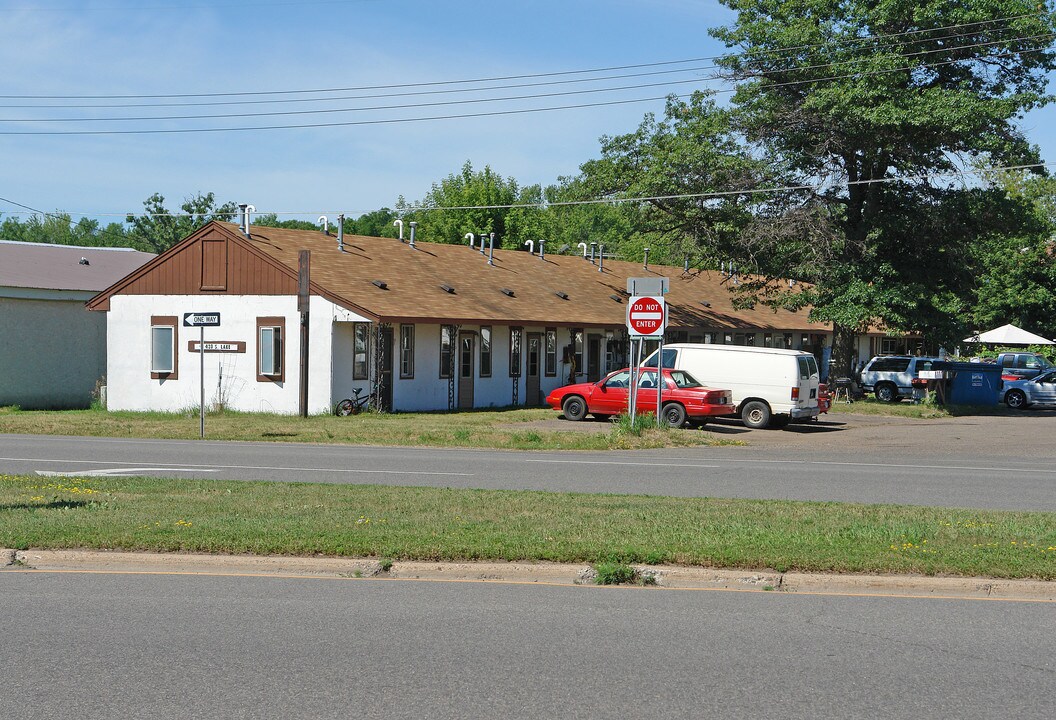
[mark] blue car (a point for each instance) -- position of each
(1040, 390)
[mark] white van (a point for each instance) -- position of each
(770, 387)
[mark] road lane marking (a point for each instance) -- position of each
(800, 462)
(188, 467)
(117, 472)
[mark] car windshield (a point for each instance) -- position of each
(669, 359)
(683, 379)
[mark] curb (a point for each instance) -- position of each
(665, 576)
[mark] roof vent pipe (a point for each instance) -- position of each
(325, 222)
(249, 209)
(531, 246)
(645, 263)
(473, 239)
(584, 246)
(542, 251)
(399, 223)
(242, 217)
(592, 246)
(685, 264)
(601, 257)
(491, 248)
(341, 233)
(413, 226)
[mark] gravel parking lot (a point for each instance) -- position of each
(1025, 434)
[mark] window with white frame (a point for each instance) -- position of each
(360, 350)
(515, 351)
(406, 351)
(163, 355)
(447, 351)
(550, 365)
(271, 345)
(485, 351)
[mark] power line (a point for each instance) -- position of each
(775, 51)
(816, 187)
(472, 101)
(389, 121)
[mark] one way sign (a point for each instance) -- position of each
(201, 319)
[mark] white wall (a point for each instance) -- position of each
(426, 391)
(230, 377)
(52, 352)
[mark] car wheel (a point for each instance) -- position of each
(674, 415)
(756, 414)
(1016, 399)
(574, 407)
(886, 392)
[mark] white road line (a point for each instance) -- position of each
(804, 462)
(189, 467)
(116, 472)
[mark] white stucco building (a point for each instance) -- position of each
(420, 326)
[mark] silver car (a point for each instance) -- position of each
(1040, 390)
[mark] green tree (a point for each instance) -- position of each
(272, 220)
(871, 101)
(694, 176)
(1016, 272)
(156, 230)
(470, 202)
(58, 228)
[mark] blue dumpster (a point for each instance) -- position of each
(971, 383)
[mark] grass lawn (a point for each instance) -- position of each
(506, 428)
(446, 524)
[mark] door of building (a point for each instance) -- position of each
(593, 358)
(466, 367)
(532, 396)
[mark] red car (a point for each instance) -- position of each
(684, 398)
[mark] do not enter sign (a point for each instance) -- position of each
(646, 316)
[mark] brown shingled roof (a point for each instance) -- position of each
(413, 280)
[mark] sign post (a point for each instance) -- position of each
(646, 319)
(201, 321)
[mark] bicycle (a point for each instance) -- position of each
(354, 405)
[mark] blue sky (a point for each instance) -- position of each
(168, 47)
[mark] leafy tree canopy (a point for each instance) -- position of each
(158, 229)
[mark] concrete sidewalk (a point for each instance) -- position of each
(665, 576)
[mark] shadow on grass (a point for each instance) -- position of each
(54, 505)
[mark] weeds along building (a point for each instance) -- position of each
(52, 351)
(419, 325)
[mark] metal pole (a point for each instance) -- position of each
(201, 375)
(659, 381)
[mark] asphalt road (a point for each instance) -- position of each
(964, 462)
(171, 646)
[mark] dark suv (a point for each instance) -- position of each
(891, 376)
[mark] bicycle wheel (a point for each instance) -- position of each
(345, 407)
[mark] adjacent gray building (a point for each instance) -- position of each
(52, 349)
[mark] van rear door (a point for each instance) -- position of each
(808, 380)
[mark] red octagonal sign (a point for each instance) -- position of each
(646, 316)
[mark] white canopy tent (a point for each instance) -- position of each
(1008, 335)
